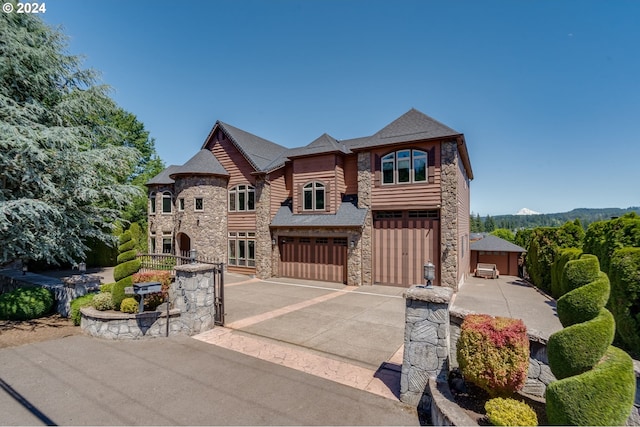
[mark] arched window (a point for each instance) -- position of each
(404, 166)
(242, 198)
(313, 196)
(167, 202)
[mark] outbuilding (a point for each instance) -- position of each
(494, 250)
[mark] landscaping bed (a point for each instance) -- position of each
(19, 332)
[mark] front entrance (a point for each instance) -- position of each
(403, 242)
(184, 244)
(314, 258)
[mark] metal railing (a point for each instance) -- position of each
(168, 262)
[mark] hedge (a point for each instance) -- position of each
(603, 238)
(563, 256)
(26, 303)
(625, 298)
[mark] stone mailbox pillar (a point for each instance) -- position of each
(193, 294)
(426, 342)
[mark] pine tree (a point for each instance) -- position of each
(60, 184)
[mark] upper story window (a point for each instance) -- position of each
(404, 166)
(167, 202)
(242, 198)
(152, 200)
(199, 204)
(313, 196)
(181, 204)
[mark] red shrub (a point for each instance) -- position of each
(493, 353)
(164, 277)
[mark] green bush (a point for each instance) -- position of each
(596, 382)
(603, 238)
(129, 305)
(602, 396)
(510, 412)
(26, 303)
(108, 287)
(493, 353)
(103, 301)
(563, 256)
(126, 269)
(625, 298)
(126, 256)
(117, 292)
(579, 272)
(77, 304)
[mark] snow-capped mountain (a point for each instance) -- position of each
(525, 211)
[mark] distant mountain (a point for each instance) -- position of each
(585, 215)
(527, 211)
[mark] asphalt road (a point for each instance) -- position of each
(173, 381)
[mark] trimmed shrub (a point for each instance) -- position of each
(108, 287)
(129, 305)
(493, 353)
(625, 298)
(579, 272)
(124, 270)
(603, 238)
(164, 277)
(26, 303)
(563, 256)
(596, 382)
(77, 304)
(102, 301)
(510, 412)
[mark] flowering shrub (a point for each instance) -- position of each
(510, 412)
(129, 305)
(102, 301)
(164, 277)
(493, 353)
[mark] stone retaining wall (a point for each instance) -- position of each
(115, 325)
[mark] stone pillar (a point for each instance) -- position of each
(263, 234)
(426, 342)
(193, 294)
(365, 185)
(449, 215)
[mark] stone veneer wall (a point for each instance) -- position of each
(365, 242)
(161, 223)
(193, 294)
(124, 326)
(449, 215)
(263, 233)
(207, 229)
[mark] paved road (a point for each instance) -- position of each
(173, 381)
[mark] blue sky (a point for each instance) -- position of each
(547, 93)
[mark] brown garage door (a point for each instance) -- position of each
(500, 259)
(403, 242)
(318, 258)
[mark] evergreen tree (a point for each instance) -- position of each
(489, 224)
(61, 184)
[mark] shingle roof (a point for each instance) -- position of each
(259, 152)
(323, 144)
(163, 178)
(494, 243)
(348, 215)
(412, 125)
(203, 163)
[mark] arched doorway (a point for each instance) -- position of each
(184, 244)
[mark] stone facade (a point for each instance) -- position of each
(193, 294)
(426, 342)
(263, 233)
(124, 326)
(365, 244)
(449, 215)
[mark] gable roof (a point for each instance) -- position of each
(259, 152)
(323, 144)
(494, 243)
(164, 177)
(203, 163)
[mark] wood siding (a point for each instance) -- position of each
(464, 212)
(279, 192)
(351, 174)
(316, 168)
(413, 195)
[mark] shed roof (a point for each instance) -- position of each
(494, 243)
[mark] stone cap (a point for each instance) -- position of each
(193, 268)
(435, 294)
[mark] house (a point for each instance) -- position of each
(369, 210)
(494, 250)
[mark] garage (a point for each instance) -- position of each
(314, 258)
(403, 241)
(494, 250)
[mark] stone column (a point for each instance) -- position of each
(449, 215)
(193, 294)
(365, 185)
(263, 234)
(426, 342)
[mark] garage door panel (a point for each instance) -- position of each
(314, 259)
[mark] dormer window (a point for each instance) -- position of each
(242, 198)
(313, 196)
(404, 166)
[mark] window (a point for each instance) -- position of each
(242, 198)
(199, 204)
(181, 204)
(167, 243)
(404, 166)
(152, 243)
(152, 200)
(242, 248)
(166, 202)
(313, 195)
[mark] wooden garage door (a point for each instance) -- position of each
(500, 259)
(319, 258)
(403, 242)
